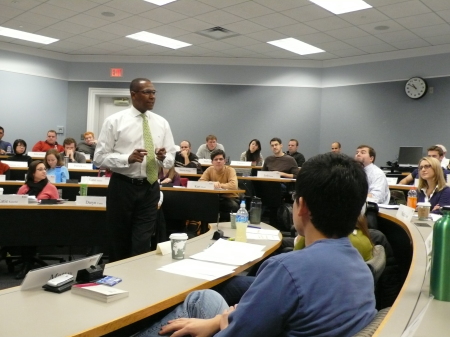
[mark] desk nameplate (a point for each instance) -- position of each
(202, 185)
(36, 154)
(240, 163)
(268, 174)
(80, 166)
(405, 213)
(12, 163)
(95, 180)
(91, 201)
(6, 199)
(2, 177)
(188, 170)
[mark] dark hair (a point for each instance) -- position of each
(52, 131)
(294, 140)
(54, 152)
(69, 141)
(249, 156)
(217, 152)
(32, 170)
(136, 83)
(1, 128)
(372, 152)
(436, 148)
(334, 187)
(275, 139)
(17, 142)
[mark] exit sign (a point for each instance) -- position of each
(116, 72)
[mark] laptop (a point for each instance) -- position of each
(39, 277)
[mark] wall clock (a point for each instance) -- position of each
(416, 87)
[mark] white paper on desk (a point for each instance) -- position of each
(405, 213)
(387, 206)
(412, 328)
(230, 252)
(262, 234)
(198, 269)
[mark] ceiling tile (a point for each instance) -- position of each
(66, 45)
(328, 23)
(378, 48)
(378, 3)
(77, 6)
(189, 7)
(191, 25)
(152, 48)
(110, 46)
(261, 48)
(267, 35)
(36, 19)
(132, 52)
(87, 20)
(241, 41)
(124, 41)
(282, 5)
(307, 13)
(332, 46)
(391, 24)
(364, 41)
(222, 3)
(131, 6)
(53, 11)
(97, 13)
(22, 5)
(240, 52)
(248, 10)
(274, 20)
(443, 29)
(445, 15)
(437, 5)
(216, 45)
(410, 44)
(219, 18)
(195, 39)
(437, 40)
(118, 29)
(168, 31)
(400, 35)
(321, 56)
(139, 23)
(316, 38)
(403, 9)
(422, 20)
(90, 51)
(9, 12)
(163, 15)
(284, 54)
(24, 26)
(71, 27)
(101, 35)
(364, 17)
(196, 50)
(82, 41)
(296, 30)
(349, 52)
(244, 27)
(347, 33)
(55, 33)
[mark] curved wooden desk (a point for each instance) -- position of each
(414, 293)
(39, 313)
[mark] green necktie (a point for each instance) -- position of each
(152, 167)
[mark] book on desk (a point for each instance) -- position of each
(99, 292)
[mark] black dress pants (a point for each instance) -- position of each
(131, 210)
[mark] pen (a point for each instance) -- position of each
(254, 227)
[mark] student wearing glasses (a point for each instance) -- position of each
(432, 187)
(37, 183)
(20, 152)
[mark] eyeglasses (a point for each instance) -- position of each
(426, 167)
(41, 169)
(147, 92)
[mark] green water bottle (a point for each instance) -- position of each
(440, 259)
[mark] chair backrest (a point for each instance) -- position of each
(397, 197)
(377, 263)
(370, 329)
(184, 181)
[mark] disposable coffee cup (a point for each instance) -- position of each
(83, 190)
(178, 244)
(233, 220)
(1, 191)
(423, 210)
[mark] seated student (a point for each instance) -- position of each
(53, 160)
(4, 170)
(325, 289)
(20, 152)
(432, 187)
(281, 162)
(185, 158)
(88, 145)
(205, 150)
(224, 177)
(433, 152)
(49, 143)
(293, 152)
(253, 153)
(5, 147)
(69, 151)
(169, 176)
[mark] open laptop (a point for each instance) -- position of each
(39, 277)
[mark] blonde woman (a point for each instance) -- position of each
(432, 187)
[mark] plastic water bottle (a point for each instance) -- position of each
(241, 223)
(412, 198)
(8, 149)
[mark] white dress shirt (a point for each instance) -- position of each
(122, 133)
(378, 185)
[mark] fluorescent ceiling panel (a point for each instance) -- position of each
(160, 2)
(296, 46)
(18, 34)
(158, 39)
(342, 6)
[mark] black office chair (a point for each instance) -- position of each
(370, 329)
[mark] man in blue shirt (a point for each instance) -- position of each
(325, 289)
(4, 145)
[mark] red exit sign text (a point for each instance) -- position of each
(116, 72)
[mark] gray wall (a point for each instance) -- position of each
(381, 115)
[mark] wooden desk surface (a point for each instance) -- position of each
(413, 295)
(40, 313)
(400, 187)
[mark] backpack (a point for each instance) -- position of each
(284, 217)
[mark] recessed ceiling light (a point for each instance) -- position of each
(109, 14)
(18, 34)
(381, 27)
(296, 46)
(160, 2)
(342, 6)
(158, 39)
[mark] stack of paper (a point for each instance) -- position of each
(198, 269)
(99, 292)
(262, 234)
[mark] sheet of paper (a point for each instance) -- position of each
(388, 206)
(262, 234)
(230, 252)
(198, 269)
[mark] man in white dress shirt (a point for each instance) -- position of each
(378, 185)
(125, 145)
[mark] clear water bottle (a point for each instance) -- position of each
(412, 198)
(8, 149)
(241, 223)
(66, 161)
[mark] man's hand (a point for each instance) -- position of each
(184, 154)
(137, 156)
(192, 327)
(2, 151)
(217, 185)
(285, 175)
(91, 142)
(160, 154)
(224, 318)
(69, 153)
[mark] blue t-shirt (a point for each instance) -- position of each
(325, 289)
(64, 174)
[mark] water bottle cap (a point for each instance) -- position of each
(243, 203)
